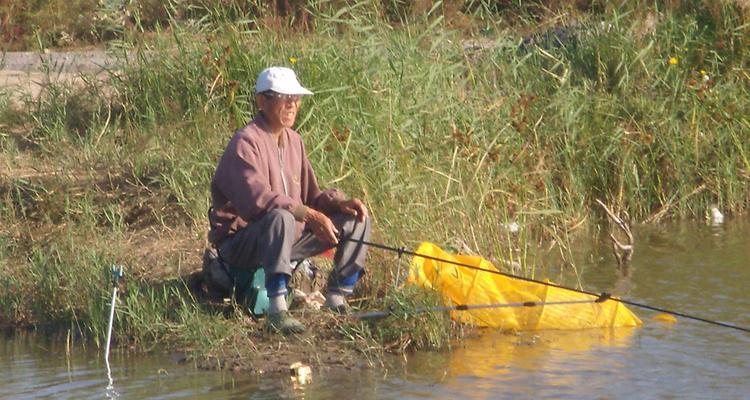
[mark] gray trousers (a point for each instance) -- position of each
(270, 242)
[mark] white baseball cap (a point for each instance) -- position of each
(280, 80)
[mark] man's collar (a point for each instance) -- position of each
(260, 120)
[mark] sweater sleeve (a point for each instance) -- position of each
(241, 178)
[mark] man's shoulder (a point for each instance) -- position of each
(249, 135)
(250, 131)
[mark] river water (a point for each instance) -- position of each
(687, 266)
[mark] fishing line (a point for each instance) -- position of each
(600, 296)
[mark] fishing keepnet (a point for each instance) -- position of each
(466, 286)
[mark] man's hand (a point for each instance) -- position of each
(354, 207)
(321, 226)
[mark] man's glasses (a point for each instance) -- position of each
(287, 98)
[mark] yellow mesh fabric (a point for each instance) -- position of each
(465, 286)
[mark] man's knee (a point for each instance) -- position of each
(280, 217)
(277, 225)
(280, 213)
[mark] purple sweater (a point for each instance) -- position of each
(256, 175)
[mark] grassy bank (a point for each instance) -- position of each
(447, 138)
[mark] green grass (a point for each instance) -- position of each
(443, 143)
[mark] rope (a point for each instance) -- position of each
(600, 296)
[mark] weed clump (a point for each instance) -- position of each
(413, 321)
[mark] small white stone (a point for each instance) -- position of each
(717, 218)
(301, 373)
(512, 227)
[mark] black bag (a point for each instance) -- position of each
(216, 274)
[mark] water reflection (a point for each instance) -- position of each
(690, 267)
(527, 364)
(491, 354)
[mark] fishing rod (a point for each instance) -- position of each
(383, 314)
(600, 296)
(117, 274)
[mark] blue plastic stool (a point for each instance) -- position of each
(250, 289)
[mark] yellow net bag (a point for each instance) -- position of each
(465, 286)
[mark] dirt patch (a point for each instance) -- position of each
(67, 62)
(322, 346)
(20, 84)
(29, 73)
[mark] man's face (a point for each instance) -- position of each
(280, 110)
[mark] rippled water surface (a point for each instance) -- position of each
(690, 267)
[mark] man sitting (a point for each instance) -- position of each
(267, 208)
